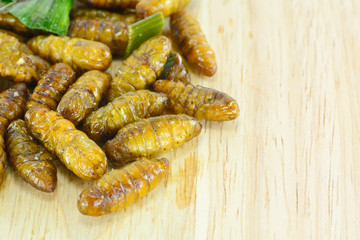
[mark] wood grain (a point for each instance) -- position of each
(287, 168)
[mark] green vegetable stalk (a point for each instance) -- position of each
(48, 15)
(143, 30)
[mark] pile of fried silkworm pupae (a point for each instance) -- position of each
(80, 114)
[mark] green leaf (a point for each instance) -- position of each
(48, 15)
(143, 30)
(6, 1)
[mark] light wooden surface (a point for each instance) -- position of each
(287, 168)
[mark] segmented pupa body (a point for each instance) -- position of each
(9, 22)
(113, 33)
(29, 159)
(119, 188)
(17, 61)
(142, 67)
(52, 86)
(177, 71)
(60, 137)
(199, 102)
(130, 107)
(191, 39)
(84, 96)
(151, 137)
(81, 54)
(12, 105)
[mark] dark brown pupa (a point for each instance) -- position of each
(29, 159)
(200, 102)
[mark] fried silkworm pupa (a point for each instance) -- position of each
(17, 61)
(141, 68)
(9, 22)
(82, 55)
(130, 107)
(84, 96)
(29, 159)
(52, 86)
(151, 137)
(177, 71)
(199, 102)
(119, 188)
(12, 105)
(128, 18)
(60, 137)
(111, 4)
(113, 34)
(146, 8)
(191, 39)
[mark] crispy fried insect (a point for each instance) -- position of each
(80, 54)
(119, 188)
(9, 22)
(52, 86)
(111, 4)
(30, 159)
(128, 18)
(84, 96)
(18, 62)
(12, 105)
(142, 68)
(147, 8)
(130, 107)
(60, 137)
(151, 137)
(192, 41)
(199, 102)
(177, 72)
(2, 157)
(114, 34)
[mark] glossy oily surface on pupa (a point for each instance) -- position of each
(29, 159)
(151, 137)
(89, 13)
(119, 188)
(52, 86)
(177, 71)
(199, 102)
(17, 61)
(9, 22)
(113, 34)
(84, 96)
(82, 55)
(60, 137)
(142, 68)
(12, 105)
(191, 39)
(130, 107)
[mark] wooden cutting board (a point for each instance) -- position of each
(287, 168)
